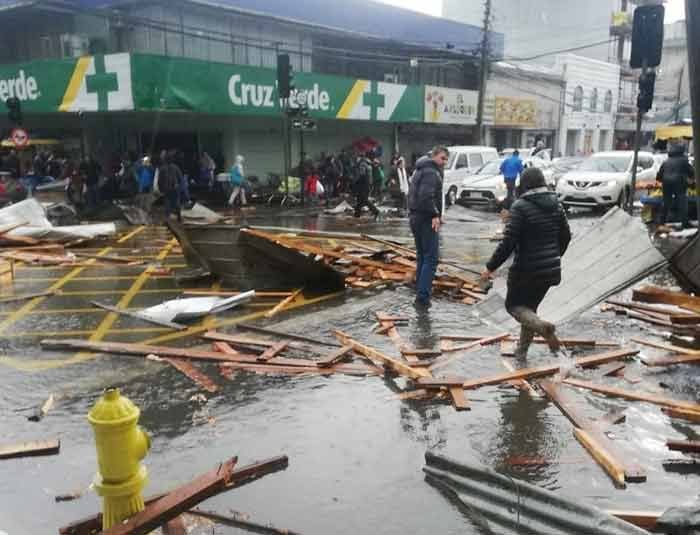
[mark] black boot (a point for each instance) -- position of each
(526, 337)
(527, 318)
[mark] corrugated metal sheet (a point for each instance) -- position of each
(610, 256)
(503, 505)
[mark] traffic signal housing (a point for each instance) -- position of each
(645, 98)
(285, 76)
(14, 110)
(647, 36)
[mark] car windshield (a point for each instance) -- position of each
(491, 168)
(606, 164)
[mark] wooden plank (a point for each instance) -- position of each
(569, 342)
(373, 354)
(196, 375)
(421, 353)
(612, 368)
(634, 396)
(236, 340)
(381, 316)
(614, 470)
(335, 357)
(666, 347)
(685, 319)
(177, 501)
(653, 294)
(691, 416)
(356, 370)
(384, 329)
(283, 334)
(671, 361)
(30, 449)
(232, 294)
(686, 446)
(642, 519)
(42, 411)
(459, 400)
(656, 310)
(109, 258)
(240, 477)
(531, 373)
(136, 315)
(283, 304)
(521, 384)
(445, 360)
(606, 449)
(272, 352)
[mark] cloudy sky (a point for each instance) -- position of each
(674, 8)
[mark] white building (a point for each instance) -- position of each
(591, 93)
(545, 26)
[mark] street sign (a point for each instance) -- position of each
(19, 137)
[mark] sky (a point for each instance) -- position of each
(675, 9)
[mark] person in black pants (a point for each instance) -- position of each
(538, 232)
(363, 182)
(673, 175)
(425, 213)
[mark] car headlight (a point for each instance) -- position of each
(611, 183)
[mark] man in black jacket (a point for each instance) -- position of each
(673, 175)
(539, 234)
(363, 182)
(425, 211)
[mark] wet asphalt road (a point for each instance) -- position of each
(355, 451)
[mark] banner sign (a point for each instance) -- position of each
(515, 112)
(450, 106)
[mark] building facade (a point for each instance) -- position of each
(198, 76)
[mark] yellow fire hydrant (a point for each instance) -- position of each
(121, 444)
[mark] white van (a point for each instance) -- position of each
(464, 160)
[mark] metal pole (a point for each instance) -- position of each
(301, 164)
(692, 30)
(483, 73)
(637, 141)
(287, 148)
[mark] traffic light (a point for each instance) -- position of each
(14, 110)
(285, 76)
(647, 36)
(645, 98)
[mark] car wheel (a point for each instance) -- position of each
(451, 197)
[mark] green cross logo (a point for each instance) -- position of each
(102, 82)
(374, 100)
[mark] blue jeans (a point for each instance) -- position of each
(427, 254)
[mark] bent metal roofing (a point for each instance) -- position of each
(362, 17)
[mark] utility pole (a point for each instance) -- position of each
(483, 73)
(692, 32)
(677, 115)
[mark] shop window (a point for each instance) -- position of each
(578, 98)
(594, 100)
(607, 105)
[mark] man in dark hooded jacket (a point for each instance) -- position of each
(425, 211)
(673, 175)
(539, 234)
(363, 181)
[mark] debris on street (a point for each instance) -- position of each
(30, 449)
(43, 410)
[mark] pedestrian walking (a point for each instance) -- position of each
(402, 177)
(425, 210)
(538, 233)
(91, 169)
(363, 179)
(511, 168)
(237, 178)
(674, 175)
(145, 174)
(169, 177)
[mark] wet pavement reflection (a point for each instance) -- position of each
(355, 449)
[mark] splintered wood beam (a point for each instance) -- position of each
(240, 477)
(374, 355)
(611, 465)
(686, 446)
(284, 303)
(30, 449)
(595, 442)
(272, 352)
(335, 357)
(529, 373)
(190, 370)
(634, 396)
(177, 501)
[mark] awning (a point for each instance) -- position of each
(675, 132)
